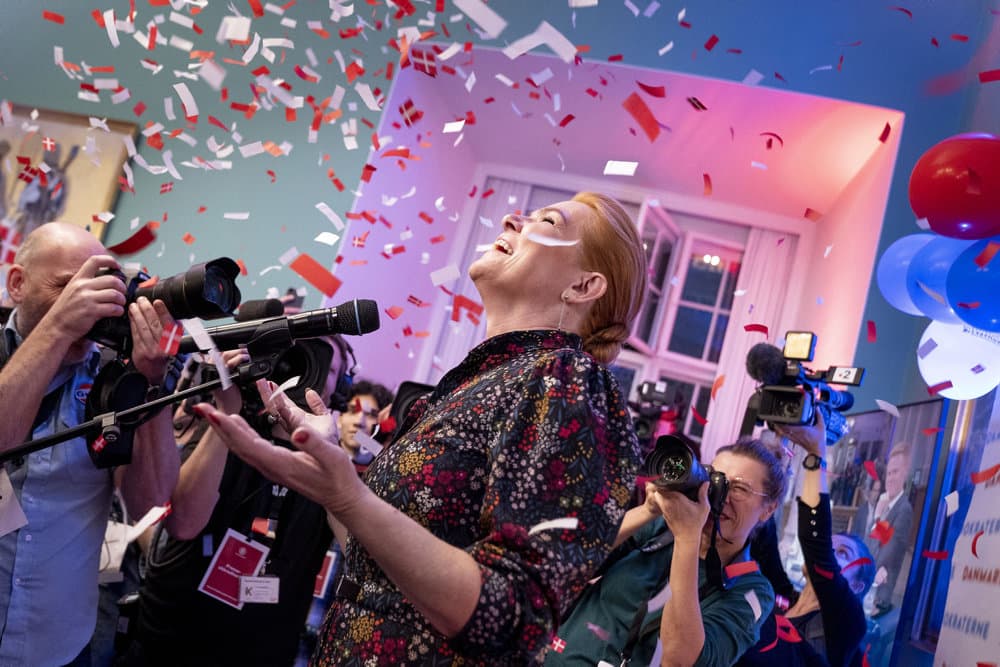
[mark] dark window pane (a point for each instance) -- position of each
(729, 285)
(662, 262)
(697, 429)
(649, 243)
(647, 317)
(690, 331)
(718, 336)
(702, 282)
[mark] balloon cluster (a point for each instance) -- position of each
(952, 276)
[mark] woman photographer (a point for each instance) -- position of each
(453, 558)
(667, 590)
(825, 626)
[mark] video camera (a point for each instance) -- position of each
(790, 393)
(206, 290)
(676, 467)
(653, 416)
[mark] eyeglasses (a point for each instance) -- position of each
(740, 491)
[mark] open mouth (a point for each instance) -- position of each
(504, 247)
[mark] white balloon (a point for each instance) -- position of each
(967, 357)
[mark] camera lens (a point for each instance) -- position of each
(673, 468)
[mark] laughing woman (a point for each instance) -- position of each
(443, 565)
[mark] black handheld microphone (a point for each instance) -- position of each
(765, 363)
(354, 318)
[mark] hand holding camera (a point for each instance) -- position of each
(685, 517)
(812, 438)
(91, 295)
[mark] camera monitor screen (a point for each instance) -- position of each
(799, 345)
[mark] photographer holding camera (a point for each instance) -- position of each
(55, 504)
(681, 585)
(825, 626)
(187, 615)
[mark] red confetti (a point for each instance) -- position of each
(882, 532)
(760, 328)
(274, 177)
(133, 244)
(885, 133)
(464, 302)
(857, 562)
(566, 121)
(170, 339)
(615, 58)
(394, 312)
(872, 334)
(812, 215)
(642, 115)
(870, 469)
(989, 252)
(931, 430)
(717, 385)
(316, 274)
(935, 555)
(426, 218)
(773, 135)
(712, 41)
(366, 173)
(975, 543)
(983, 475)
(139, 109)
(989, 76)
(255, 5)
(54, 17)
(940, 386)
(960, 38)
(653, 91)
(904, 10)
(188, 238)
(698, 417)
(826, 574)
(697, 104)
(707, 184)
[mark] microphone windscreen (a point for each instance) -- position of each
(357, 317)
(766, 363)
(259, 309)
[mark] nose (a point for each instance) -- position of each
(513, 222)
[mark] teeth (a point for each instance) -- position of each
(503, 247)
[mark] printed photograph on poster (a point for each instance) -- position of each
(57, 166)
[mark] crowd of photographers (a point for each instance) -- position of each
(679, 587)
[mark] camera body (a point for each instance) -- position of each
(207, 290)
(791, 393)
(676, 467)
(656, 413)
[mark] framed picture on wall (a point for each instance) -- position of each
(57, 166)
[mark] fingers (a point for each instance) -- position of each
(703, 494)
(315, 403)
(311, 441)
(95, 264)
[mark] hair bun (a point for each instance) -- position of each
(605, 343)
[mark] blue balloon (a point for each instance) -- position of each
(928, 274)
(892, 268)
(973, 290)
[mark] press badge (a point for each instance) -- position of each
(236, 558)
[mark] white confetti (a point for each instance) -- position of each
(620, 168)
(826, 253)
(237, 215)
(483, 16)
(565, 523)
(666, 48)
(331, 215)
(454, 126)
(444, 275)
(327, 238)
(752, 78)
(951, 503)
(886, 406)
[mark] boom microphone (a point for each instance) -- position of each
(765, 363)
(354, 318)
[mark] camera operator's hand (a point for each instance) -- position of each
(685, 518)
(810, 438)
(230, 400)
(86, 298)
(290, 416)
(148, 320)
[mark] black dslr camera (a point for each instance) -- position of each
(206, 290)
(676, 467)
(790, 393)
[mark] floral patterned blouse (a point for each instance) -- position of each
(528, 428)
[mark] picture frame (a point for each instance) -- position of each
(56, 165)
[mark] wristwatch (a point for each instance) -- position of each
(813, 462)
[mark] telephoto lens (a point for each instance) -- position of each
(675, 465)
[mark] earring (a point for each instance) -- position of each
(562, 312)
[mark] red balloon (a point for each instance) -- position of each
(955, 185)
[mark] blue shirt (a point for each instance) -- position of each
(48, 568)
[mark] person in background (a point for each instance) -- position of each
(673, 595)
(453, 555)
(825, 626)
(49, 565)
(892, 527)
(864, 518)
(364, 403)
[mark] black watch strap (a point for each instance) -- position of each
(813, 462)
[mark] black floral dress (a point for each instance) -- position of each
(528, 428)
